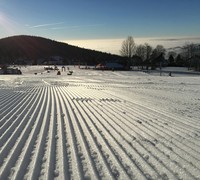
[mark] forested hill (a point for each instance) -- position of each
(18, 49)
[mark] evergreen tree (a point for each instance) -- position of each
(180, 61)
(171, 61)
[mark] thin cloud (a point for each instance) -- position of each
(67, 27)
(46, 25)
(60, 25)
(176, 39)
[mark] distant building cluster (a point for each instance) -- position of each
(9, 70)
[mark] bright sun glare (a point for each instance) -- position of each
(5, 23)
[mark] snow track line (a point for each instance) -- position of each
(62, 166)
(47, 168)
(74, 162)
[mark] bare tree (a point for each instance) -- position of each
(141, 51)
(148, 51)
(128, 47)
(157, 56)
(158, 51)
(189, 50)
(144, 52)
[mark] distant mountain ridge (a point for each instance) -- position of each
(32, 49)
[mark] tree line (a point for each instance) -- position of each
(144, 56)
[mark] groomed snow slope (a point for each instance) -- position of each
(99, 125)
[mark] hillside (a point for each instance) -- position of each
(30, 49)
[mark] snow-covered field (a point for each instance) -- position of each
(99, 125)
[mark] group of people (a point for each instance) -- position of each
(64, 69)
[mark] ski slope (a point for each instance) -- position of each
(99, 125)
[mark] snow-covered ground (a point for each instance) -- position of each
(99, 125)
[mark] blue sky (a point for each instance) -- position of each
(88, 20)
